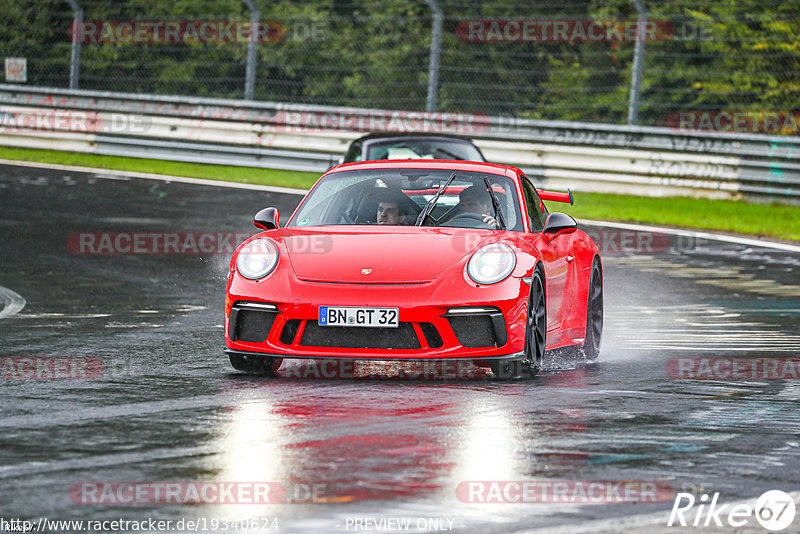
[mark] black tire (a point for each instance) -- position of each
(506, 369)
(535, 336)
(255, 365)
(594, 313)
(536, 324)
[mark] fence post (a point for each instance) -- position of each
(77, 35)
(252, 50)
(436, 49)
(638, 63)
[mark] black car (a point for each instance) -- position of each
(394, 146)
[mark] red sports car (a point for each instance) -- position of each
(416, 260)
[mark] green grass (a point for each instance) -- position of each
(228, 173)
(773, 221)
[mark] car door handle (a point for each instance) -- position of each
(570, 259)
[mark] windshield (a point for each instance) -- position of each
(422, 149)
(398, 196)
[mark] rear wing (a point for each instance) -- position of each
(556, 196)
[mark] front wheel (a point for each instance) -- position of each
(535, 336)
(255, 365)
(536, 324)
(536, 328)
(507, 369)
(594, 313)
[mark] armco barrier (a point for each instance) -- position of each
(582, 156)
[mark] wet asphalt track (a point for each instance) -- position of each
(168, 407)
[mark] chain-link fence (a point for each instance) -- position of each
(556, 59)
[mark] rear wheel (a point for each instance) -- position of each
(255, 365)
(594, 313)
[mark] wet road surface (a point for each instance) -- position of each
(160, 402)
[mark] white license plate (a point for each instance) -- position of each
(353, 316)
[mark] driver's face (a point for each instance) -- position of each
(388, 213)
(473, 205)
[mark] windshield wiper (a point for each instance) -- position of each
(495, 203)
(432, 202)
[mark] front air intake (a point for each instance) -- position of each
(251, 321)
(478, 327)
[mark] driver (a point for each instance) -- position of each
(476, 200)
(392, 209)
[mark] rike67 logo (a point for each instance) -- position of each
(774, 510)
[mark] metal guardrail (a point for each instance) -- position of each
(583, 156)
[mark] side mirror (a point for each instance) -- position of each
(559, 222)
(268, 219)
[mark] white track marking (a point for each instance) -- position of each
(12, 303)
(114, 174)
(696, 234)
(713, 328)
(108, 174)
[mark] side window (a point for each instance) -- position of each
(536, 214)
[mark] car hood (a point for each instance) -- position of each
(375, 254)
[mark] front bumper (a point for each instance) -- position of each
(437, 321)
(234, 352)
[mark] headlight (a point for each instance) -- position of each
(257, 259)
(491, 263)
